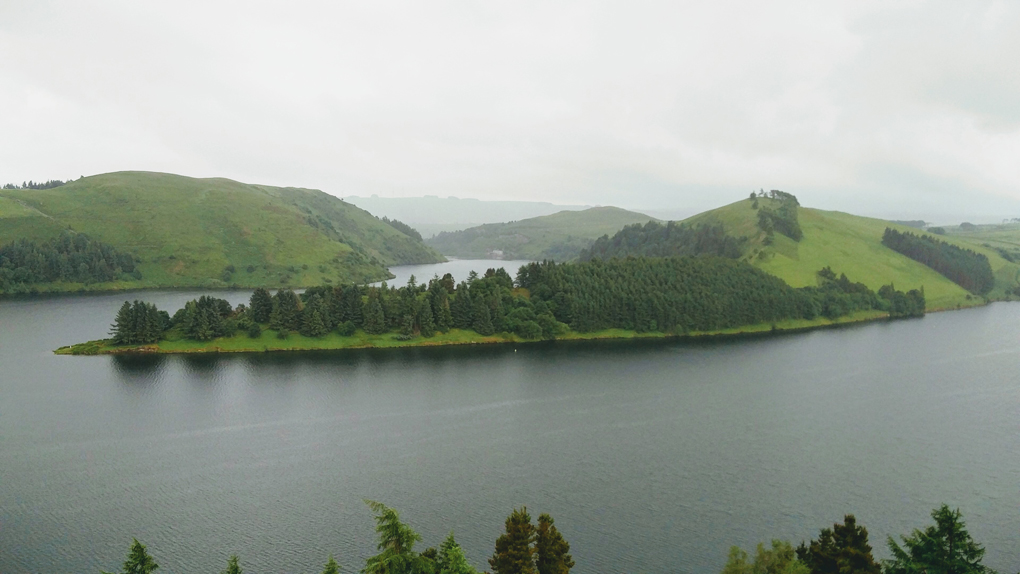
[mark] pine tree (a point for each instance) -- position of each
(514, 553)
(313, 325)
(843, 549)
(331, 567)
(552, 551)
(451, 558)
(482, 319)
(426, 324)
(138, 560)
(375, 320)
(461, 309)
(232, 566)
(396, 545)
(261, 304)
(945, 548)
(122, 328)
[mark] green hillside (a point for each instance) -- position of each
(560, 236)
(853, 245)
(213, 232)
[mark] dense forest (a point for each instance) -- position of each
(669, 295)
(71, 257)
(671, 239)
(945, 547)
(782, 219)
(402, 227)
(968, 269)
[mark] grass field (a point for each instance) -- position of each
(189, 232)
(560, 236)
(853, 245)
(268, 342)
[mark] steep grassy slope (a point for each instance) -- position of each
(852, 245)
(192, 232)
(560, 236)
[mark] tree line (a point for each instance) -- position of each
(945, 547)
(36, 184)
(669, 295)
(966, 268)
(671, 239)
(523, 548)
(402, 227)
(70, 257)
(942, 548)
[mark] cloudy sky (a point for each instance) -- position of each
(894, 109)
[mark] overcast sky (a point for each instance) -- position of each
(894, 109)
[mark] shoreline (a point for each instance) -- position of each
(268, 343)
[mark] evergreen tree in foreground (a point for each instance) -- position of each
(138, 560)
(331, 567)
(843, 549)
(232, 566)
(551, 550)
(451, 559)
(945, 548)
(396, 545)
(514, 553)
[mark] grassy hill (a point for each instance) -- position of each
(560, 236)
(852, 245)
(213, 232)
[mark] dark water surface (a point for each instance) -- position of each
(652, 457)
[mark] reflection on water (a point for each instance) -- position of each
(653, 456)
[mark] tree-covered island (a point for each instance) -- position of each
(619, 298)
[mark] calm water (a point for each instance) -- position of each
(651, 457)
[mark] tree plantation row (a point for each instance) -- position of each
(944, 547)
(71, 257)
(668, 295)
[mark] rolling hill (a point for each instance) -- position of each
(560, 236)
(187, 232)
(852, 245)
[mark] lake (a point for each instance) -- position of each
(651, 456)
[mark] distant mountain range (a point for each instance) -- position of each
(560, 236)
(431, 214)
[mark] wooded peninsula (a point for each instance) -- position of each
(619, 298)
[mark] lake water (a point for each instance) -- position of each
(652, 457)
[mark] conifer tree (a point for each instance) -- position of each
(232, 566)
(396, 545)
(843, 549)
(482, 318)
(451, 558)
(122, 327)
(313, 325)
(261, 304)
(514, 553)
(426, 324)
(551, 550)
(138, 560)
(462, 309)
(945, 548)
(331, 566)
(375, 320)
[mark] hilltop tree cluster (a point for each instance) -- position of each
(672, 239)
(966, 268)
(70, 257)
(782, 218)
